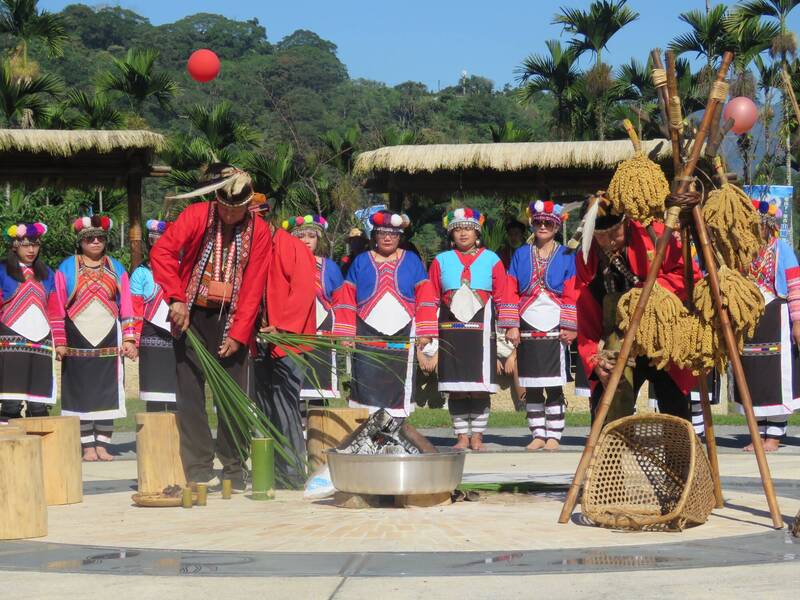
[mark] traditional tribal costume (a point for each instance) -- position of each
(156, 354)
(770, 358)
(289, 300)
(546, 289)
(92, 315)
(600, 281)
(468, 287)
(222, 286)
(323, 382)
(27, 382)
(381, 303)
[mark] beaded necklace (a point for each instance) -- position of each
(227, 256)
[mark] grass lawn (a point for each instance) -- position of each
(429, 418)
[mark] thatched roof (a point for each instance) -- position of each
(67, 143)
(504, 157)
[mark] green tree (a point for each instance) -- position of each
(23, 101)
(595, 27)
(555, 73)
(137, 78)
(94, 112)
(508, 132)
(22, 20)
(709, 37)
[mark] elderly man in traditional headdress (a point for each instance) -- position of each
(615, 257)
(212, 266)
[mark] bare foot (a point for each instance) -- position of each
(749, 447)
(463, 442)
(536, 444)
(103, 454)
(771, 445)
(90, 454)
(476, 443)
(552, 445)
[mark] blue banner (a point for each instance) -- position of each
(780, 195)
(364, 214)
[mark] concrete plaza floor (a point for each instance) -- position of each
(494, 548)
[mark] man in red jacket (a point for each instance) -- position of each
(615, 259)
(289, 300)
(212, 265)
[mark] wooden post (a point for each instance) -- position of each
(135, 218)
(396, 201)
(158, 456)
(647, 288)
(23, 509)
(61, 456)
(328, 427)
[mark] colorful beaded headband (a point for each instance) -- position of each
(155, 227)
(21, 231)
(98, 225)
(546, 210)
(770, 213)
(293, 224)
(386, 221)
(466, 218)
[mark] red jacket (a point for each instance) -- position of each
(291, 287)
(175, 254)
(640, 252)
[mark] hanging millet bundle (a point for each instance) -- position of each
(740, 295)
(733, 223)
(659, 334)
(639, 186)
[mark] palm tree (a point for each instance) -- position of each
(279, 178)
(595, 26)
(555, 73)
(750, 39)
(393, 136)
(508, 132)
(341, 147)
(709, 36)
(95, 112)
(135, 77)
(220, 128)
(21, 20)
(22, 101)
(642, 108)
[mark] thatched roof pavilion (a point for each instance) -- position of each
(85, 158)
(559, 169)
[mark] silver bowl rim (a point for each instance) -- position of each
(442, 453)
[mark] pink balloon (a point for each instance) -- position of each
(203, 65)
(744, 113)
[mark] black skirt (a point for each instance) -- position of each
(772, 365)
(322, 382)
(540, 358)
(379, 382)
(92, 376)
(467, 352)
(157, 375)
(26, 368)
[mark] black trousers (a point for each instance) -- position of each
(278, 382)
(671, 400)
(197, 444)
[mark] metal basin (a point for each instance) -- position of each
(395, 474)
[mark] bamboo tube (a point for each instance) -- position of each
(262, 453)
(673, 99)
(661, 88)
(227, 489)
(647, 288)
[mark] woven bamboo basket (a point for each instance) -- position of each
(649, 472)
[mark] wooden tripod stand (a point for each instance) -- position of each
(683, 179)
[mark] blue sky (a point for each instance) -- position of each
(431, 41)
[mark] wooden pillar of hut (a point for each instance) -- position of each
(396, 201)
(134, 185)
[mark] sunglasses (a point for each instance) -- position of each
(545, 224)
(95, 238)
(27, 244)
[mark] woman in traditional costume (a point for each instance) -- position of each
(322, 383)
(472, 287)
(93, 328)
(542, 274)
(27, 384)
(770, 358)
(157, 379)
(382, 303)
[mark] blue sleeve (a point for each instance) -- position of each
(352, 272)
(788, 258)
(333, 277)
(142, 283)
(513, 268)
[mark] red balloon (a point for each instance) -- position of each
(203, 65)
(744, 113)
